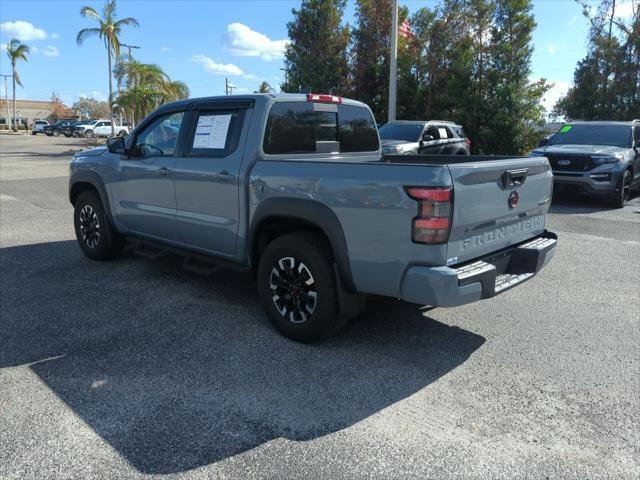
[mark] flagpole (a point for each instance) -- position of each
(393, 71)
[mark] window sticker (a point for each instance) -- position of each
(442, 132)
(565, 129)
(212, 131)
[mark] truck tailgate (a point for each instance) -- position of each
(497, 204)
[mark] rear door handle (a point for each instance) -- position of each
(163, 171)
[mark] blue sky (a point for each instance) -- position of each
(201, 42)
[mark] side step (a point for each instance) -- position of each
(150, 252)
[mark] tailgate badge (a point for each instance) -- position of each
(514, 198)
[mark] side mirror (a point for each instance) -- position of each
(116, 145)
(544, 142)
(427, 138)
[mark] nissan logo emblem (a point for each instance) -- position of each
(564, 163)
(514, 198)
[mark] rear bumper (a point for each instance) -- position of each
(482, 278)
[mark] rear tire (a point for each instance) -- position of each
(97, 238)
(297, 287)
(122, 133)
(623, 194)
(56, 133)
(89, 134)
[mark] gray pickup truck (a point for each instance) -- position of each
(295, 189)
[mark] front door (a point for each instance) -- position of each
(207, 180)
(430, 141)
(144, 192)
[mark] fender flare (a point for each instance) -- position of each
(311, 212)
(93, 179)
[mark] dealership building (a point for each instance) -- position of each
(29, 110)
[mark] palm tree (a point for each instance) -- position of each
(108, 32)
(149, 87)
(16, 51)
(264, 87)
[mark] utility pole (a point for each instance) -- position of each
(228, 87)
(6, 97)
(393, 71)
(129, 83)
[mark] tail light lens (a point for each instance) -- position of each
(468, 140)
(319, 97)
(435, 208)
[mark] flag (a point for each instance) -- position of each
(405, 30)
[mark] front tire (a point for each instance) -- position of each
(89, 134)
(56, 133)
(122, 133)
(97, 238)
(297, 287)
(623, 194)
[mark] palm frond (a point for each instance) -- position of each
(89, 12)
(129, 21)
(86, 33)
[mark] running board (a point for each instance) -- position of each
(150, 253)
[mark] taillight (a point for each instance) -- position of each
(435, 208)
(317, 97)
(468, 140)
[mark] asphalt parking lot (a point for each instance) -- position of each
(136, 368)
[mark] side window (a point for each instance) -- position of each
(358, 132)
(216, 133)
(637, 134)
(160, 137)
(305, 127)
(433, 131)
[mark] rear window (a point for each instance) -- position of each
(611, 135)
(396, 131)
(459, 131)
(301, 127)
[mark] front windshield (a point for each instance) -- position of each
(397, 131)
(613, 135)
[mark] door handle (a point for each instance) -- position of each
(224, 176)
(514, 178)
(163, 171)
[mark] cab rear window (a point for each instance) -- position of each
(298, 127)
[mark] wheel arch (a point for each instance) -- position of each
(84, 180)
(277, 216)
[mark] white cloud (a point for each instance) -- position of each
(50, 51)
(218, 68)
(3, 47)
(95, 94)
(22, 30)
(625, 9)
(551, 49)
(165, 49)
(250, 76)
(242, 41)
(557, 91)
(34, 49)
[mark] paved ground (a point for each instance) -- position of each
(133, 368)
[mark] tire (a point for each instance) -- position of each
(122, 133)
(97, 238)
(56, 133)
(302, 306)
(623, 193)
(48, 134)
(89, 134)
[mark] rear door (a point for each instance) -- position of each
(497, 203)
(432, 146)
(207, 178)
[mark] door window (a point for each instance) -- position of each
(160, 137)
(216, 133)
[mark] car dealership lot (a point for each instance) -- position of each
(133, 368)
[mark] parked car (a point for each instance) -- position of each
(410, 137)
(55, 129)
(67, 130)
(295, 189)
(99, 128)
(597, 158)
(38, 126)
(75, 132)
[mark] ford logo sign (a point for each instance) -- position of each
(564, 163)
(514, 198)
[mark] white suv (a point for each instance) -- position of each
(99, 128)
(38, 126)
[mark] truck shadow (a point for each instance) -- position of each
(177, 371)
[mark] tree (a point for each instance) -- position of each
(16, 51)
(91, 107)
(264, 87)
(59, 110)
(606, 83)
(108, 31)
(316, 57)
(149, 87)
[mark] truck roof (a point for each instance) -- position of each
(278, 97)
(602, 122)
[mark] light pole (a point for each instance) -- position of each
(6, 97)
(393, 71)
